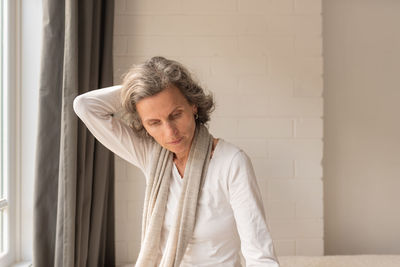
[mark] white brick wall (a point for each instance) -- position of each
(262, 59)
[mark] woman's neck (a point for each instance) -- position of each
(180, 162)
(181, 159)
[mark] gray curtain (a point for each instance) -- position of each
(74, 173)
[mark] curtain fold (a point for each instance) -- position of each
(74, 173)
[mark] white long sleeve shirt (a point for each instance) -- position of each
(230, 214)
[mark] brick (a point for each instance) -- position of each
(300, 24)
(222, 84)
(134, 211)
(253, 6)
(264, 128)
(226, 105)
(295, 107)
(308, 128)
(150, 25)
(238, 65)
(309, 66)
(266, 45)
(257, 108)
(260, 168)
(264, 85)
(121, 250)
(117, 77)
(279, 168)
(280, 86)
(310, 247)
(280, 24)
(153, 7)
(167, 25)
(281, 65)
(308, 6)
(285, 247)
(308, 45)
(120, 45)
(209, 7)
(199, 67)
(121, 230)
(121, 209)
(310, 228)
(253, 147)
(120, 168)
(252, 45)
(294, 190)
(250, 24)
(119, 74)
(123, 25)
(208, 25)
(134, 249)
(266, 6)
(253, 84)
(121, 190)
(281, 190)
(154, 45)
(135, 175)
(308, 168)
(281, 45)
(135, 188)
(295, 149)
(125, 62)
(311, 24)
(308, 85)
(208, 45)
(134, 231)
(309, 209)
(309, 189)
(283, 229)
(223, 127)
(281, 6)
(120, 7)
(194, 25)
(302, 229)
(281, 210)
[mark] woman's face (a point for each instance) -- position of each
(169, 119)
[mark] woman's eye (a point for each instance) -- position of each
(176, 115)
(154, 123)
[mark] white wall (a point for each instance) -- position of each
(263, 61)
(362, 94)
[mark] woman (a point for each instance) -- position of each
(202, 202)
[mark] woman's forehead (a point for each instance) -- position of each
(162, 103)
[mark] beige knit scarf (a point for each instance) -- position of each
(156, 199)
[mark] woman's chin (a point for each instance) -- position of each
(177, 148)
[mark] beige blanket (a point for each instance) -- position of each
(334, 261)
(341, 261)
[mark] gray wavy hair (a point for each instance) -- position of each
(154, 75)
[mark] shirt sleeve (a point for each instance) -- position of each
(97, 109)
(246, 202)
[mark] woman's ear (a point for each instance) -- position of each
(194, 109)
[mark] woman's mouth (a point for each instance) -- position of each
(176, 142)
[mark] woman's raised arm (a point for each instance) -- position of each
(97, 109)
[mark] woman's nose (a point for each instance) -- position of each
(171, 129)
